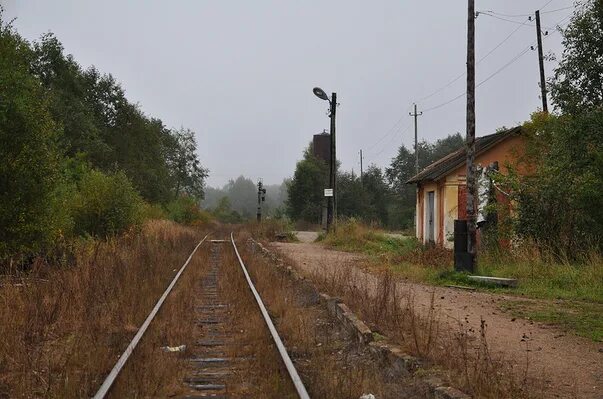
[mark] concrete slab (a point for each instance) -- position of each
(500, 281)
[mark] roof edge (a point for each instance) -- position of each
(424, 175)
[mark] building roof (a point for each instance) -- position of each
(452, 161)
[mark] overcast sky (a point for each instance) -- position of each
(241, 73)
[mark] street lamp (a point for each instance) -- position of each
(332, 201)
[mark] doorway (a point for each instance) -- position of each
(431, 216)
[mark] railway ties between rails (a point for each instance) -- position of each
(213, 367)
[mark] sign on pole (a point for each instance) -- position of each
(328, 192)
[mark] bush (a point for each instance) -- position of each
(186, 210)
(153, 212)
(559, 205)
(105, 205)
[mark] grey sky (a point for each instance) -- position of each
(240, 73)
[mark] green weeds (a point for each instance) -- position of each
(577, 285)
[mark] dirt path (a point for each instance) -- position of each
(569, 366)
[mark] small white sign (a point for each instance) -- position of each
(328, 192)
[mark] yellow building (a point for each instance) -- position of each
(441, 186)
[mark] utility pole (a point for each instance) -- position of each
(470, 138)
(333, 174)
(545, 107)
(361, 171)
(416, 137)
(261, 198)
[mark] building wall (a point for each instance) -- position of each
(447, 191)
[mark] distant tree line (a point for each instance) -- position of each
(237, 200)
(78, 158)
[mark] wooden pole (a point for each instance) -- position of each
(470, 138)
(545, 107)
(415, 114)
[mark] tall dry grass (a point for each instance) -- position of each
(63, 328)
(330, 362)
(462, 353)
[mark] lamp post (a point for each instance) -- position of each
(332, 201)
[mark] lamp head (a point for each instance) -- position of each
(318, 92)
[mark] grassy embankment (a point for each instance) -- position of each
(575, 288)
(63, 327)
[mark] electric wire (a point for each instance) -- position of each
(513, 60)
(478, 61)
(376, 155)
(499, 70)
(389, 131)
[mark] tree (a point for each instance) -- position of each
(242, 193)
(305, 191)
(187, 174)
(378, 196)
(402, 168)
(224, 213)
(559, 205)
(352, 199)
(30, 159)
(577, 85)
(70, 105)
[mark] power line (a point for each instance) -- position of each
(513, 60)
(518, 56)
(559, 9)
(386, 146)
(505, 19)
(390, 131)
(522, 15)
(464, 73)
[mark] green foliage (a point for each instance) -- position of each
(30, 160)
(577, 86)
(153, 212)
(186, 170)
(224, 213)
(76, 155)
(306, 189)
(402, 168)
(560, 205)
(99, 122)
(353, 236)
(185, 209)
(381, 198)
(105, 205)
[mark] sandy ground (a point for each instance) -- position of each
(568, 366)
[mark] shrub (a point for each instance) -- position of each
(105, 205)
(186, 210)
(153, 212)
(559, 205)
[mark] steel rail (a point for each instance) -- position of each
(297, 382)
(106, 386)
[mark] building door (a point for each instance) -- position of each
(431, 216)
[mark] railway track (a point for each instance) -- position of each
(229, 346)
